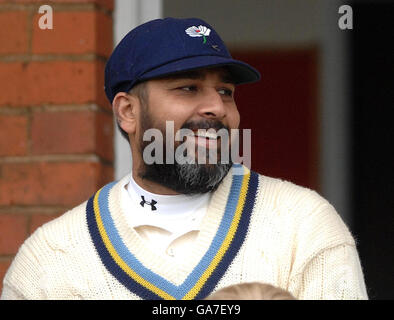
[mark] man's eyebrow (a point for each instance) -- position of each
(226, 77)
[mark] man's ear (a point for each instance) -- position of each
(125, 108)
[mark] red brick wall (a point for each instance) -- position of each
(56, 125)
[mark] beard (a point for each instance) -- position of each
(184, 178)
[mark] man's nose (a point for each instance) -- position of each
(211, 105)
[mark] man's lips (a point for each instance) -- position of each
(206, 134)
(205, 138)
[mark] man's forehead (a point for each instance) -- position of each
(200, 74)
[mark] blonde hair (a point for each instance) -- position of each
(251, 291)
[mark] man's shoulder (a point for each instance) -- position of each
(295, 202)
(72, 224)
(48, 250)
(75, 217)
(285, 192)
(301, 208)
(71, 217)
(280, 194)
(61, 231)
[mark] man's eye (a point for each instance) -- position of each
(226, 92)
(189, 88)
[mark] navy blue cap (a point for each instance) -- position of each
(165, 46)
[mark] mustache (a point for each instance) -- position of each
(204, 124)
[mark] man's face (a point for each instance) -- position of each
(202, 99)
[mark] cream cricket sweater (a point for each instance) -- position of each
(256, 229)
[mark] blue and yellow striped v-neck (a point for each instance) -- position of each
(123, 264)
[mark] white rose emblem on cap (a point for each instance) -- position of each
(201, 31)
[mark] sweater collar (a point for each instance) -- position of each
(149, 274)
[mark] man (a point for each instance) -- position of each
(177, 229)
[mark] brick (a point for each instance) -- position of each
(101, 98)
(104, 34)
(104, 136)
(12, 83)
(106, 175)
(50, 183)
(52, 82)
(13, 231)
(73, 132)
(63, 132)
(13, 136)
(74, 33)
(13, 32)
(4, 265)
(61, 82)
(37, 220)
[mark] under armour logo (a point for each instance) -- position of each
(152, 203)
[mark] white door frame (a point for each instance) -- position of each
(127, 15)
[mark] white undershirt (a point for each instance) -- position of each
(172, 226)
